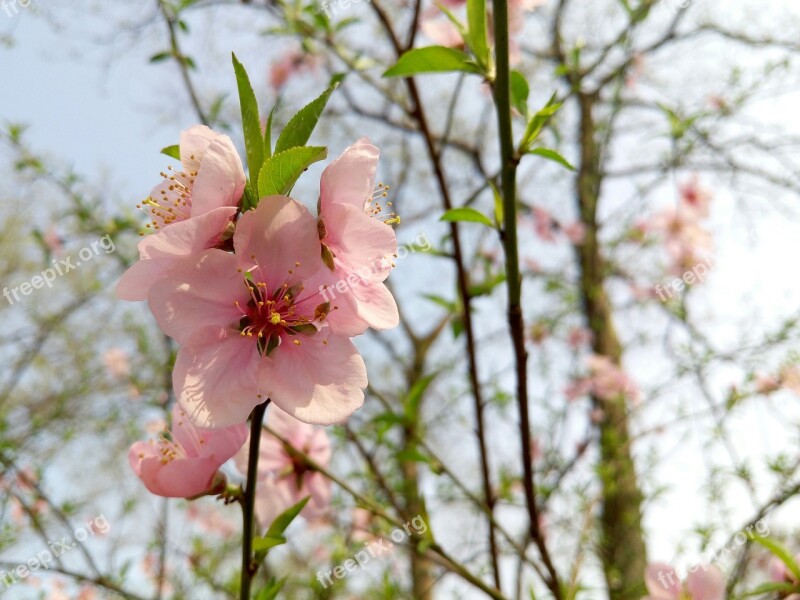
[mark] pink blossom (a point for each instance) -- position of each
(695, 197)
(184, 463)
(190, 210)
(292, 62)
(283, 479)
(53, 241)
(608, 381)
(254, 325)
(116, 363)
(663, 583)
(359, 245)
(543, 224)
(779, 573)
(579, 337)
(686, 241)
(575, 232)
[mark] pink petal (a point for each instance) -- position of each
(193, 143)
(350, 178)
(315, 382)
(272, 498)
(662, 582)
(136, 282)
(218, 444)
(280, 233)
(708, 584)
(200, 291)
(359, 242)
(220, 180)
(215, 378)
(189, 236)
(376, 306)
(180, 478)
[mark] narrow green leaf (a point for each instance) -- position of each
(267, 543)
(160, 56)
(283, 520)
(782, 553)
(251, 122)
(412, 455)
(499, 210)
(299, 128)
(537, 123)
(414, 397)
(460, 27)
(268, 134)
(519, 92)
(448, 305)
(478, 35)
(272, 590)
(466, 215)
(433, 59)
(173, 151)
(281, 171)
(771, 588)
(552, 155)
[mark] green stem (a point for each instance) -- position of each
(516, 324)
(249, 501)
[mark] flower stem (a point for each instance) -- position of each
(249, 568)
(509, 158)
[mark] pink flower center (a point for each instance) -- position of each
(172, 202)
(277, 316)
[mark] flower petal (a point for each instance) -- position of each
(350, 178)
(313, 381)
(189, 236)
(360, 243)
(200, 291)
(282, 236)
(220, 179)
(662, 582)
(215, 378)
(708, 584)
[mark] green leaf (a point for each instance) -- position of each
(465, 214)
(267, 543)
(414, 396)
(537, 123)
(298, 130)
(782, 553)
(271, 591)
(173, 151)
(412, 455)
(448, 305)
(160, 56)
(519, 92)
(283, 520)
(772, 588)
(552, 155)
(499, 210)
(251, 123)
(478, 37)
(433, 59)
(268, 134)
(281, 171)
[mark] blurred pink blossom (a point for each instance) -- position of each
(663, 583)
(285, 479)
(116, 363)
